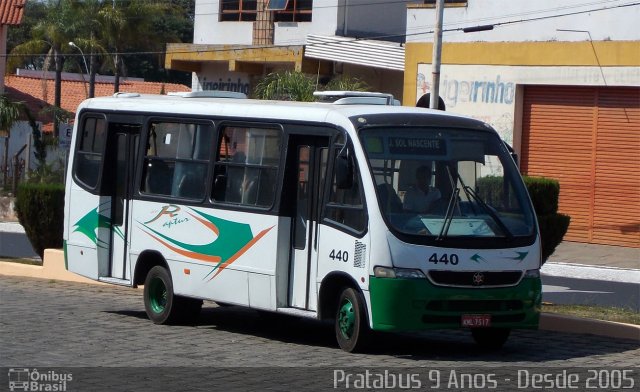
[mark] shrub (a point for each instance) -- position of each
(553, 227)
(544, 193)
(40, 209)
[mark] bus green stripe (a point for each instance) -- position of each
(417, 304)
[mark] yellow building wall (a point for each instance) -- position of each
(538, 54)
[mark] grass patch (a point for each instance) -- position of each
(22, 260)
(595, 312)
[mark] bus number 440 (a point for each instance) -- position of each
(444, 259)
(340, 255)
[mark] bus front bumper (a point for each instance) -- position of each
(417, 304)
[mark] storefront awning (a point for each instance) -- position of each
(371, 53)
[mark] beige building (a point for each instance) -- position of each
(560, 81)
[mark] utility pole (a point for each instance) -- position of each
(437, 56)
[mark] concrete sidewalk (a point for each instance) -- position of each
(596, 255)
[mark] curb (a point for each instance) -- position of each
(571, 324)
(53, 268)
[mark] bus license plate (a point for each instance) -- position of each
(476, 320)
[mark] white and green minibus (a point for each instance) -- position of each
(376, 216)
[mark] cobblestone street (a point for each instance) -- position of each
(49, 324)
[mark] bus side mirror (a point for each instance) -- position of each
(344, 171)
(514, 154)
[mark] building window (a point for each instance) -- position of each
(295, 11)
(177, 159)
(238, 10)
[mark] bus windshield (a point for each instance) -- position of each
(447, 184)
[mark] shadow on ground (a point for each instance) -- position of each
(442, 345)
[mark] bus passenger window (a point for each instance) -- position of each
(177, 159)
(246, 167)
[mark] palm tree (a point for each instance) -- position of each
(9, 114)
(124, 26)
(50, 36)
(286, 86)
(296, 86)
(87, 30)
(346, 83)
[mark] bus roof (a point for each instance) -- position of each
(271, 110)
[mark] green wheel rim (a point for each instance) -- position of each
(157, 295)
(346, 319)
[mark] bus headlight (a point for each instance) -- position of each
(400, 273)
(534, 273)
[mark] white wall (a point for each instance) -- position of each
(20, 135)
(488, 93)
(324, 18)
(290, 33)
(612, 24)
(217, 77)
(209, 31)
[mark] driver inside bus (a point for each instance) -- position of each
(421, 195)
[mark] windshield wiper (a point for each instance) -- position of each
(448, 216)
(453, 203)
(470, 192)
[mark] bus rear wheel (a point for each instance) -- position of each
(351, 325)
(162, 305)
(490, 338)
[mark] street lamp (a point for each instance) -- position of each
(73, 45)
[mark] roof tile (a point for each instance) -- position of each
(11, 11)
(38, 94)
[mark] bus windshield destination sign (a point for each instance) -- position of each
(416, 146)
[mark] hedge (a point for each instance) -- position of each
(544, 193)
(40, 209)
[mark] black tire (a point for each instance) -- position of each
(490, 338)
(162, 305)
(351, 326)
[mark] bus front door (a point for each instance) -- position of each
(311, 165)
(117, 186)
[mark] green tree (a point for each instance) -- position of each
(346, 83)
(34, 12)
(86, 30)
(126, 25)
(175, 24)
(287, 86)
(296, 86)
(109, 31)
(9, 114)
(50, 36)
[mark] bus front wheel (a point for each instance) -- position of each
(162, 305)
(490, 338)
(351, 324)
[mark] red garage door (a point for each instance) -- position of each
(589, 139)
